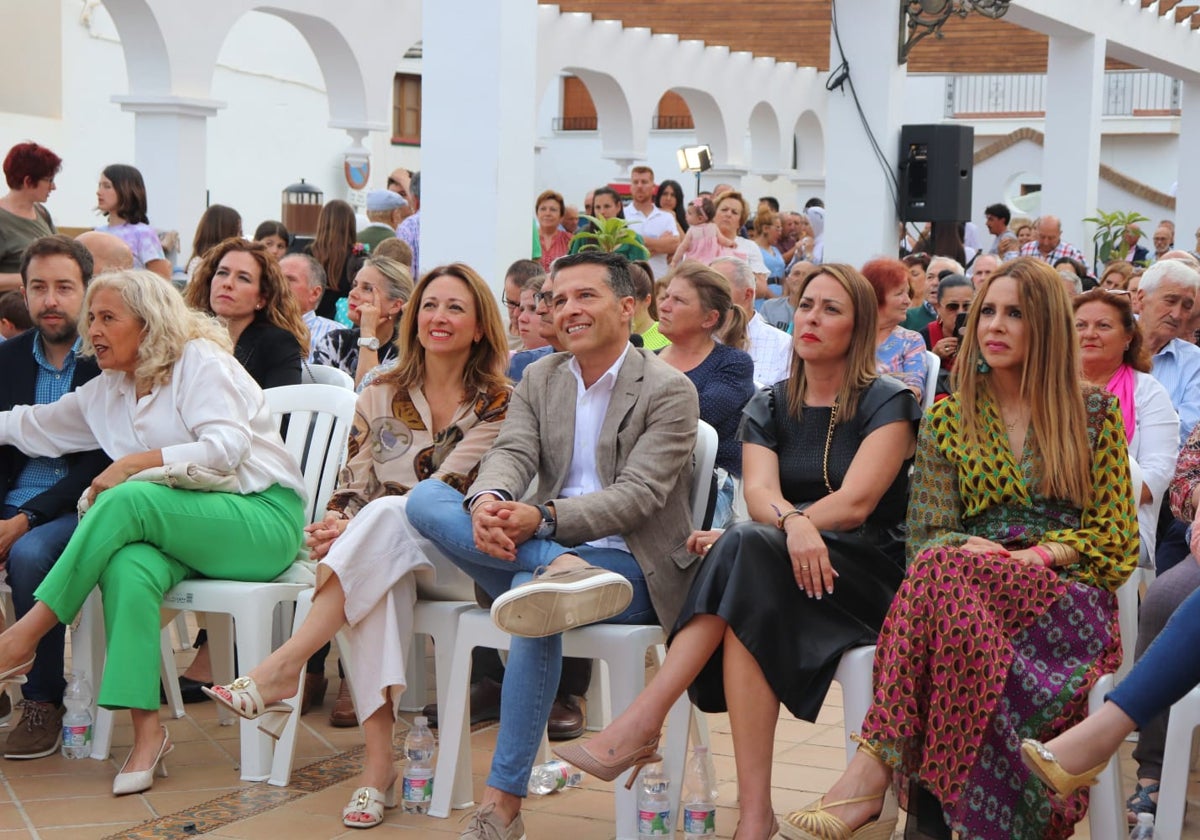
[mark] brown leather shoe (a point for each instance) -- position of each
(566, 718)
(315, 686)
(485, 704)
(343, 715)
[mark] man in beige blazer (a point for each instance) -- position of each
(607, 430)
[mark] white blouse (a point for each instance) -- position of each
(210, 413)
(1155, 447)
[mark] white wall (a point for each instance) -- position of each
(273, 131)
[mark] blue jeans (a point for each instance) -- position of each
(29, 560)
(1169, 668)
(531, 677)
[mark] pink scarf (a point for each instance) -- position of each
(1121, 386)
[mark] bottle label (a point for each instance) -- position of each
(417, 788)
(77, 735)
(700, 819)
(654, 823)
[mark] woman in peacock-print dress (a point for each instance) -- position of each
(1007, 615)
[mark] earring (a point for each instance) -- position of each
(982, 366)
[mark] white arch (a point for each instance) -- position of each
(614, 117)
(808, 138)
(708, 118)
(765, 146)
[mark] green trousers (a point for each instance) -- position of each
(140, 539)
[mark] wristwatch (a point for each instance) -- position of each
(549, 524)
(371, 343)
(35, 518)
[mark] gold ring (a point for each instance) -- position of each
(804, 568)
(706, 548)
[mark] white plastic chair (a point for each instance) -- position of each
(318, 427)
(621, 649)
(326, 375)
(933, 367)
(1172, 796)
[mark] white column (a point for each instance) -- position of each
(861, 220)
(170, 148)
(1187, 193)
(1071, 158)
(478, 127)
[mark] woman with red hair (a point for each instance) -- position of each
(900, 352)
(29, 170)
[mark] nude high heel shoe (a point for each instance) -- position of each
(137, 781)
(244, 701)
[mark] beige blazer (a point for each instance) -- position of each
(644, 457)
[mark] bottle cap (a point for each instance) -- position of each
(421, 720)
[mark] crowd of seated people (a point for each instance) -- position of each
(491, 447)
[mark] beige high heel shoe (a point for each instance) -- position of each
(606, 771)
(136, 781)
(244, 701)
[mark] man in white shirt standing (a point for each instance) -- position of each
(307, 279)
(656, 225)
(770, 348)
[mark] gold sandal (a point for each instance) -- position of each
(815, 823)
(1042, 763)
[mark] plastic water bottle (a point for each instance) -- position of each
(699, 803)
(1144, 829)
(417, 787)
(553, 776)
(77, 722)
(654, 806)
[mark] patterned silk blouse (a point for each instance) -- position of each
(959, 491)
(392, 446)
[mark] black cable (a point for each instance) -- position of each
(840, 77)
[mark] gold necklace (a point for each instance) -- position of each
(833, 413)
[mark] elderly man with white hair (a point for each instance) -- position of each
(306, 278)
(925, 312)
(1168, 295)
(984, 266)
(770, 348)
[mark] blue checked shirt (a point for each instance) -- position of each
(40, 474)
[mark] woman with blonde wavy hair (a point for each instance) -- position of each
(241, 283)
(1021, 527)
(433, 415)
(170, 394)
(778, 599)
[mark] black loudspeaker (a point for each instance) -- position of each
(936, 167)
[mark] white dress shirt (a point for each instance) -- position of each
(658, 223)
(591, 404)
(771, 350)
(211, 413)
(1155, 446)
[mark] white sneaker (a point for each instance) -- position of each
(558, 601)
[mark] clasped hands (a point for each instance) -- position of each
(1024, 556)
(499, 526)
(319, 536)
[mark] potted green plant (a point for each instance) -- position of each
(609, 235)
(1109, 239)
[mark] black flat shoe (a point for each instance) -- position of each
(189, 689)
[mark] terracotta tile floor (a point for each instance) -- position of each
(57, 798)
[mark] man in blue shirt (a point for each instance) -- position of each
(1167, 295)
(38, 495)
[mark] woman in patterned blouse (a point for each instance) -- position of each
(433, 416)
(1022, 525)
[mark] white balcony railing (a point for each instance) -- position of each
(1127, 93)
